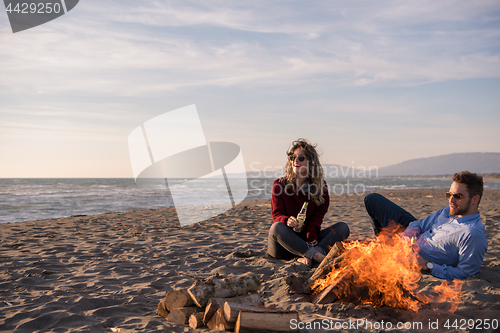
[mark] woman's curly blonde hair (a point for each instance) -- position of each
(315, 171)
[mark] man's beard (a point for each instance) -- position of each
(462, 210)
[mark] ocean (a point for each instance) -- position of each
(25, 199)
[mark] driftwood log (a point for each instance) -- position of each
(181, 315)
(218, 322)
(178, 298)
(215, 304)
(231, 310)
(324, 266)
(202, 290)
(162, 309)
(271, 322)
(196, 320)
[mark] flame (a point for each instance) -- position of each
(383, 272)
(445, 293)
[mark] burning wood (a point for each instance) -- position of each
(330, 293)
(325, 265)
(383, 272)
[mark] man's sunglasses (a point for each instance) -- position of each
(301, 158)
(457, 196)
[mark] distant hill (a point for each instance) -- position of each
(445, 164)
(484, 163)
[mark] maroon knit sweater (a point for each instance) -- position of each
(286, 203)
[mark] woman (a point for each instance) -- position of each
(303, 182)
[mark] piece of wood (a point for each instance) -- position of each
(210, 310)
(202, 290)
(162, 309)
(211, 322)
(178, 298)
(181, 315)
(334, 252)
(215, 321)
(215, 303)
(326, 296)
(319, 273)
(272, 322)
(329, 294)
(196, 320)
(218, 322)
(337, 261)
(231, 310)
(324, 266)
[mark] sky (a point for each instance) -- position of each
(373, 83)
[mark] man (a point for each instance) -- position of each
(451, 241)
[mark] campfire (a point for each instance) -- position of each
(381, 272)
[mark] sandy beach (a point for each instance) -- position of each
(107, 273)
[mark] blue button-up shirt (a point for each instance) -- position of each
(455, 246)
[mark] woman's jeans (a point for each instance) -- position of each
(284, 243)
(382, 211)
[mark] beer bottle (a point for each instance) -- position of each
(301, 217)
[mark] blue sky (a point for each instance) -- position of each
(373, 83)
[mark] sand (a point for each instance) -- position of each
(107, 273)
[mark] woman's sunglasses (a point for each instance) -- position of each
(457, 196)
(301, 158)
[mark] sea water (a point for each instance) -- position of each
(28, 199)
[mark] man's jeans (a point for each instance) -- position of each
(382, 211)
(284, 243)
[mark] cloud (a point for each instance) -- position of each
(131, 48)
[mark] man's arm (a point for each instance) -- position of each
(416, 228)
(413, 230)
(472, 248)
